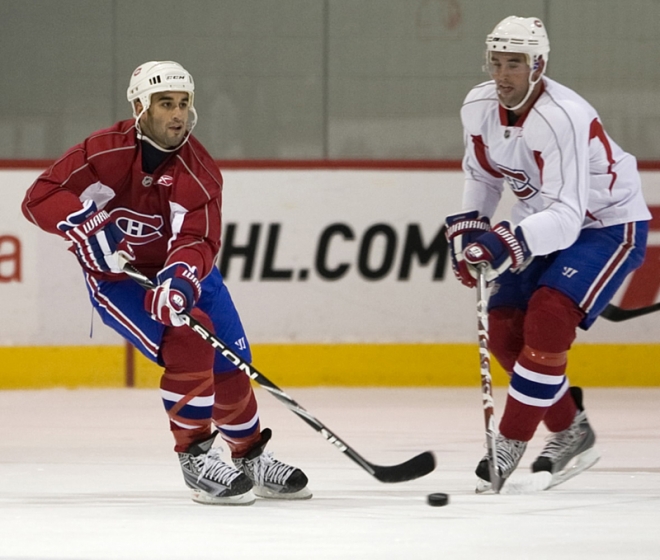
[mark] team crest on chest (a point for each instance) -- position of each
(519, 182)
(139, 229)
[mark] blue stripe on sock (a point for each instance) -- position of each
(534, 389)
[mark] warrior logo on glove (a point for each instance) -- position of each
(96, 239)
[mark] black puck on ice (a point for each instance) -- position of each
(437, 499)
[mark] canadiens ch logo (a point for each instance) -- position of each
(139, 229)
(519, 182)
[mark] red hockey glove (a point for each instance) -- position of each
(177, 290)
(463, 229)
(96, 240)
(500, 249)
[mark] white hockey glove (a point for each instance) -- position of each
(96, 240)
(177, 290)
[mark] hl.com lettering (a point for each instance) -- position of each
(378, 252)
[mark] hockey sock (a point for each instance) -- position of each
(505, 334)
(561, 414)
(539, 382)
(187, 384)
(188, 400)
(235, 412)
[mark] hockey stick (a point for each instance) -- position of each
(616, 314)
(487, 382)
(416, 467)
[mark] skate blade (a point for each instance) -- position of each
(267, 493)
(518, 484)
(582, 462)
(202, 497)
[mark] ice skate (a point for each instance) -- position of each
(270, 477)
(570, 452)
(509, 453)
(211, 480)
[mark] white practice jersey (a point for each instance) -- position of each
(565, 171)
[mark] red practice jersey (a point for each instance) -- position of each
(171, 215)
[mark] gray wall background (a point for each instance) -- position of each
(309, 79)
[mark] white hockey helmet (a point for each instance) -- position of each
(520, 35)
(155, 77)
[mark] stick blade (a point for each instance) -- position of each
(617, 314)
(418, 466)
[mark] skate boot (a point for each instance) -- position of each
(211, 480)
(570, 452)
(270, 477)
(509, 453)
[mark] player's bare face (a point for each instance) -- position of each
(166, 120)
(511, 74)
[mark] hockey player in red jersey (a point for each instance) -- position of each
(578, 228)
(145, 189)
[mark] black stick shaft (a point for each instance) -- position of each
(416, 467)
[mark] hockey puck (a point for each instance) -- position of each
(437, 499)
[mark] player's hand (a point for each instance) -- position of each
(463, 229)
(96, 240)
(177, 289)
(499, 250)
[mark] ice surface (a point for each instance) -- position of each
(91, 475)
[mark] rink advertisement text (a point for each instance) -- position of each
(379, 251)
(310, 257)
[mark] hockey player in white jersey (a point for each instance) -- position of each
(578, 228)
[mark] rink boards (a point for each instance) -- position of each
(341, 277)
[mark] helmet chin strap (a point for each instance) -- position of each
(142, 136)
(530, 89)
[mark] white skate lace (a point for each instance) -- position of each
(212, 467)
(509, 452)
(562, 443)
(267, 469)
